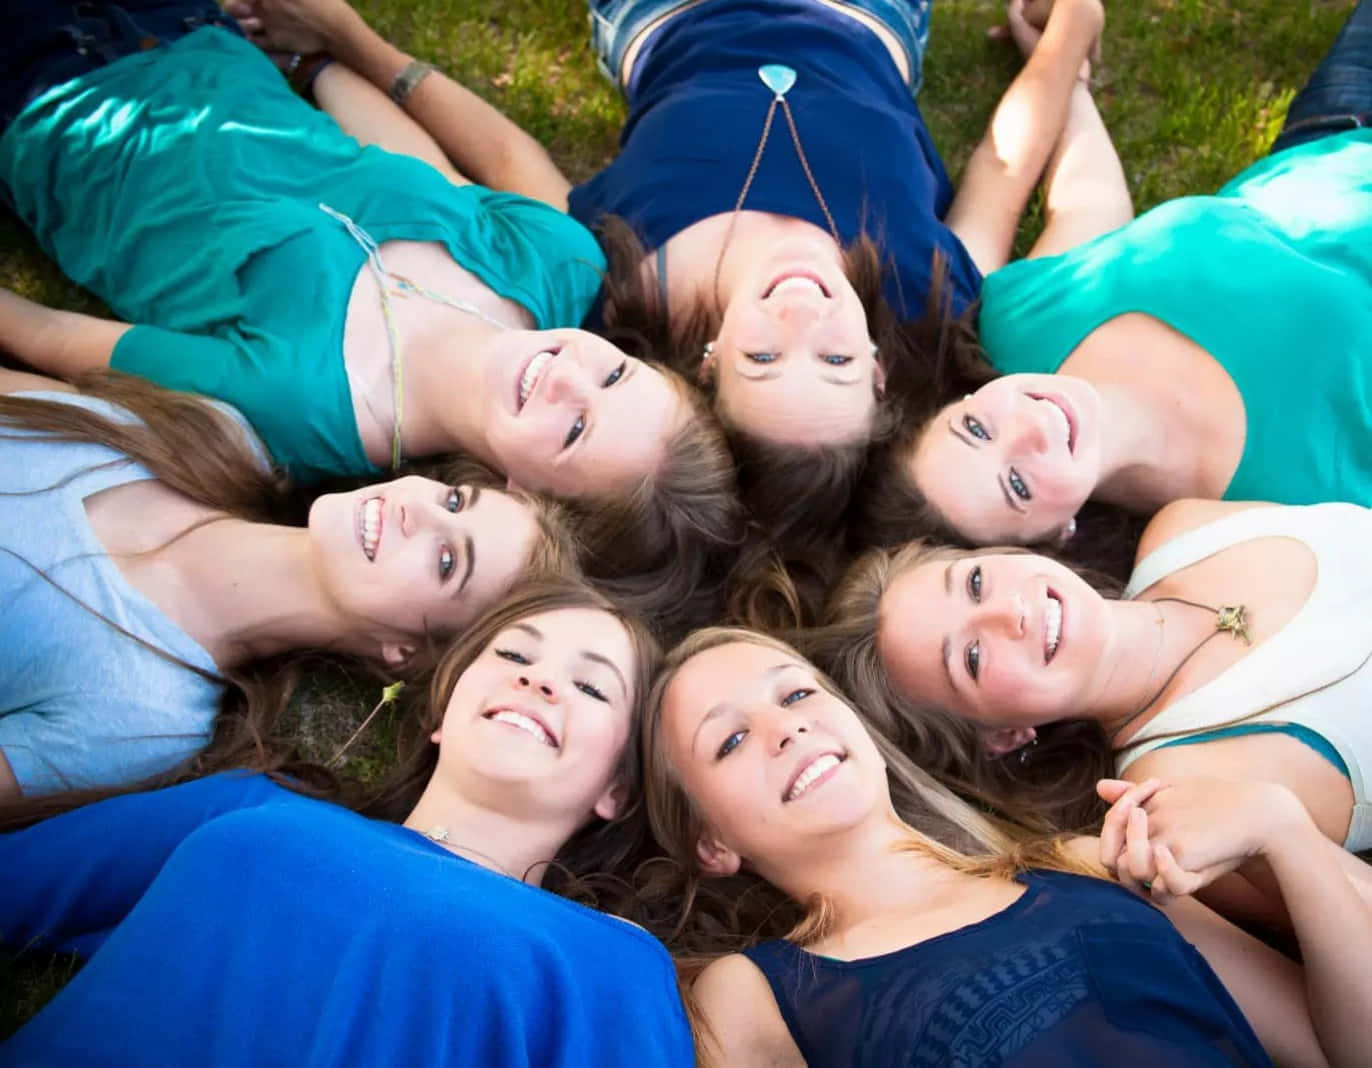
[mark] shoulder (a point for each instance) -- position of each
(739, 1021)
(1179, 517)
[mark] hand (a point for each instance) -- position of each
(1025, 21)
(1171, 840)
(302, 26)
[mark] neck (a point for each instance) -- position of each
(865, 872)
(751, 234)
(248, 590)
(1140, 654)
(508, 844)
(1142, 467)
(446, 395)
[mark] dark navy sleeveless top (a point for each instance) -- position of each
(1077, 972)
(696, 112)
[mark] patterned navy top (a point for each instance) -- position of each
(1077, 972)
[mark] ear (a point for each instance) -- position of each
(715, 857)
(396, 654)
(707, 364)
(1004, 740)
(879, 375)
(511, 486)
(613, 801)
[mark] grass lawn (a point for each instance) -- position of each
(1193, 91)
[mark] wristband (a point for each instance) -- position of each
(404, 84)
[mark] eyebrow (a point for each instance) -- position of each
(724, 706)
(605, 660)
(947, 657)
(468, 546)
(961, 437)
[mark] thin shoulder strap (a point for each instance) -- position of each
(1195, 545)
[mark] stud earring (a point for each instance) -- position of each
(1070, 529)
(709, 350)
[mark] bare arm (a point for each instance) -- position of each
(56, 342)
(739, 1024)
(1029, 120)
(9, 785)
(1085, 194)
(24, 382)
(480, 142)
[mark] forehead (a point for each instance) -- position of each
(580, 630)
(723, 673)
(960, 480)
(636, 419)
(503, 530)
(916, 613)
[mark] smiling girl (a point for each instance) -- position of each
(147, 563)
(920, 933)
(418, 929)
(1239, 649)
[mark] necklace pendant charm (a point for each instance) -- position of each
(1233, 618)
(777, 77)
(437, 834)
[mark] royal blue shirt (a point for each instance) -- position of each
(696, 113)
(1076, 973)
(233, 922)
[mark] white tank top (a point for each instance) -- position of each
(1316, 672)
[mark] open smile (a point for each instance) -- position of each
(370, 520)
(532, 374)
(1052, 625)
(525, 720)
(814, 772)
(795, 280)
(1064, 413)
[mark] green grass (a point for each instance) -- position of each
(1193, 91)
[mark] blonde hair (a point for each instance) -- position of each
(941, 826)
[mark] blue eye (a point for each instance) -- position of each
(972, 658)
(578, 428)
(837, 360)
(1018, 485)
(615, 375)
(454, 502)
(446, 563)
(974, 427)
(730, 744)
(794, 696)
(591, 691)
(761, 357)
(974, 583)
(512, 656)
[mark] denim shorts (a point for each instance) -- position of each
(1338, 95)
(616, 23)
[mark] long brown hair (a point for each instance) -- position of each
(1049, 787)
(585, 867)
(702, 918)
(193, 446)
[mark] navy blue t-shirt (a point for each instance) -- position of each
(236, 923)
(696, 114)
(1076, 973)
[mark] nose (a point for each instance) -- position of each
(1008, 615)
(567, 381)
(1030, 431)
(543, 687)
(784, 728)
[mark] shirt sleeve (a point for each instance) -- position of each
(69, 880)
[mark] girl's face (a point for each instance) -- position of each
(1013, 462)
(1007, 641)
(573, 416)
(412, 557)
(793, 361)
(773, 761)
(538, 722)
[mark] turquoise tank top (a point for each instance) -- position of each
(1272, 276)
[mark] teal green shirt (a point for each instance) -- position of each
(1272, 276)
(182, 186)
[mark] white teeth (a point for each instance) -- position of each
(1066, 424)
(531, 373)
(524, 723)
(1052, 627)
(796, 282)
(807, 778)
(370, 523)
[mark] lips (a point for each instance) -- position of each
(1052, 625)
(529, 378)
(370, 520)
(1064, 414)
(795, 280)
(525, 720)
(813, 772)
